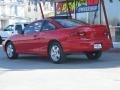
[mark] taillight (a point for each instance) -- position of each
(82, 33)
(78, 34)
(106, 34)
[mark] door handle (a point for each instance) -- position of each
(34, 35)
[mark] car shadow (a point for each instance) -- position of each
(29, 62)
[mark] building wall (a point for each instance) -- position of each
(12, 11)
(112, 10)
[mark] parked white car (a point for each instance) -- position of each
(11, 30)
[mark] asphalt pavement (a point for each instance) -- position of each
(38, 73)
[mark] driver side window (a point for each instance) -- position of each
(48, 26)
(33, 27)
(18, 28)
(29, 29)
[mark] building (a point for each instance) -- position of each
(12, 11)
(84, 10)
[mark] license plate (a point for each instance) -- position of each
(97, 46)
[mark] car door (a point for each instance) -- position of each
(27, 42)
(44, 37)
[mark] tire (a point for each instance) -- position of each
(10, 51)
(94, 55)
(0, 40)
(56, 53)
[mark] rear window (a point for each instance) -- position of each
(67, 23)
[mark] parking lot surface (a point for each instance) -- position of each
(76, 73)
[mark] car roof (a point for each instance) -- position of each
(21, 23)
(60, 17)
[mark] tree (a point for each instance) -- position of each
(35, 3)
(38, 2)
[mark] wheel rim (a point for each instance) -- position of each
(55, 53)
(10, 50)
(93, 54)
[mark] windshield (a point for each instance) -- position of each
(67, 23)
(9, 28)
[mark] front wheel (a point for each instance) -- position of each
(94, 55)
(10, 51)
(56, 53)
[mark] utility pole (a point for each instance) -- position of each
(106, 19)
(41, 10)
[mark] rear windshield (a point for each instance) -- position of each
(67, 23)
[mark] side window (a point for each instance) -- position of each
(33, 27)
(48, 26)
(29, 29)
(18, 28)
(37, 26)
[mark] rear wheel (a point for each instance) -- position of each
(94, 55)
(10, 51)
(56, 53)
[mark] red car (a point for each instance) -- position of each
(57, 37)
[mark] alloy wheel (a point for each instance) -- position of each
(10, 51)
(55, 53)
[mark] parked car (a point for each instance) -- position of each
(11, 30)
(57, 37)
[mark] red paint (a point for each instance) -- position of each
(92, 2)
(72, 40)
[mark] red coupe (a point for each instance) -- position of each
(57, 37)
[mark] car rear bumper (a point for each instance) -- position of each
(87, 46)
